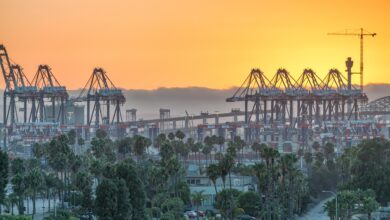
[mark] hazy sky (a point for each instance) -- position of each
(175, 43)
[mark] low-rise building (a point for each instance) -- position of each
(198, 182)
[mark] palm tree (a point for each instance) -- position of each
(124, 146)
(220, 142)
(172, 167)
(345, 163)
(214, 139)
(329, 151)
(159, 140)
(177, 146)
(218, 156)
(96, 168)
(196, 148)
(256, 147)
(231, 150)
(4, 164)
(13, 199)
(269, 155)
(197, 199)
(287, 163)
(81, 142)
(140, 145)
(260, 171)
(190, 142)
(319, 159)
(206, 151)
(179, 134)
(330, 207)
(226, 165)
(183, 152)
(171, 136)
(59, 157)
(72, 138)
(239, 144)
(38, 150)
(19, 188)
(223, 170)
(288, 170)
(34, 180)
(208, 141)
(50, 184)
(316, 146)
(213, 172)
(82, 181)
(308, 157)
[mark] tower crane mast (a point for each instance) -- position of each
(361, 34)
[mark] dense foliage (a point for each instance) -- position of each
(367, 166)
(282, 189)
(118, 179)
(352, 202)
(360, 175)
(112, 179)
(3, 175)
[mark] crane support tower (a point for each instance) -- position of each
(50, 91)
(284, 102)
(17, 89)
(361, 34)
(98, 91)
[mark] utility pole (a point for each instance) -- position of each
(361, 35)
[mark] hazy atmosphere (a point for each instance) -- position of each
(245, 110)
(196, 99)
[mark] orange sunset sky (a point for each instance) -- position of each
(180, 43)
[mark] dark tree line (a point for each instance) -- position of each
(118, 179)
(281, 190)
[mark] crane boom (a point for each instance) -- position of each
(361, 35)
(11, 82)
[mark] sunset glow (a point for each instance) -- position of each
(151, 44)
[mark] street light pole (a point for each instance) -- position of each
(335, 194)
(337, 216)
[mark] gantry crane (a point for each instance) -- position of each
(100, 90)
(361, 35)
(17, 88)
(50, 91)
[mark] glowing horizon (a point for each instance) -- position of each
(154, 44)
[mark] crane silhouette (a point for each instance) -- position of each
(361, 34)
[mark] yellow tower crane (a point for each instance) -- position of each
(361, 35)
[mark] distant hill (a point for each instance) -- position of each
(196, 99)
(375, 91)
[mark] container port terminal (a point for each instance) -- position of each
(281, 111)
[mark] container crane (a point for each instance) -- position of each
(100, 90)
(361, 34)
(50, 91)
(17, 89)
